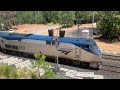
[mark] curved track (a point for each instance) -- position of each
(111, 56)
(110, 68)
(110, 63)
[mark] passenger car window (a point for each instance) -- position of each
(7, 46)
(14, 47)
(51, 43)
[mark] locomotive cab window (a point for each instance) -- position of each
(87, 47)
(95, 44)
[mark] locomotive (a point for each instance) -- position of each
(80, 50)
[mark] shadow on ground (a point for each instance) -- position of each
(100, 38)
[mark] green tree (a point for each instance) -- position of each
(109, 25)
(87, 15)
(41, 63)
(38, 17)
(25, 17)
(50, 16)
(66, 18)
(8, 72)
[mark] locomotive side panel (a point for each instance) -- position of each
(29, 47)
(45, 49)
(12, 45)
(34, 46)
(66, 50)
(51, 50)
(89, 57)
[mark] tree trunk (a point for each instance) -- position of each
(119, 38)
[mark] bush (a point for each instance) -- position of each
(87, 16)
(66, 18)
(50, 16)
(36, 17)
(8, 72)
(41, 63)
(109, 25)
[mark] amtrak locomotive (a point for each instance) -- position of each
(82, 50)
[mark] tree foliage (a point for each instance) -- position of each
(66, 18)
(10, 72)
(50, 16)
(87, 15)
(32, 17)
(108, 22)
(109, 25)
(41, 63)
(43, 17)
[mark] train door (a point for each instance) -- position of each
(77, 53)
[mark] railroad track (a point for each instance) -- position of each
(111, 56)
(111, 63)
(110, 68)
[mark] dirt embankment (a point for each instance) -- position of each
(36, 28)
(70, 32)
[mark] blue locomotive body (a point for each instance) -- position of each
(86, 44)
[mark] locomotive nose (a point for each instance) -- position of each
(98, 51)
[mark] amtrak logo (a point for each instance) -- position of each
(65, 51)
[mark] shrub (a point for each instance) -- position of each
(66, 18)
(49, 74)
(109, 25)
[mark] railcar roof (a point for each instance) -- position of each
(40, 37)
(64, 39)
(48, 38)
(86, 41)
